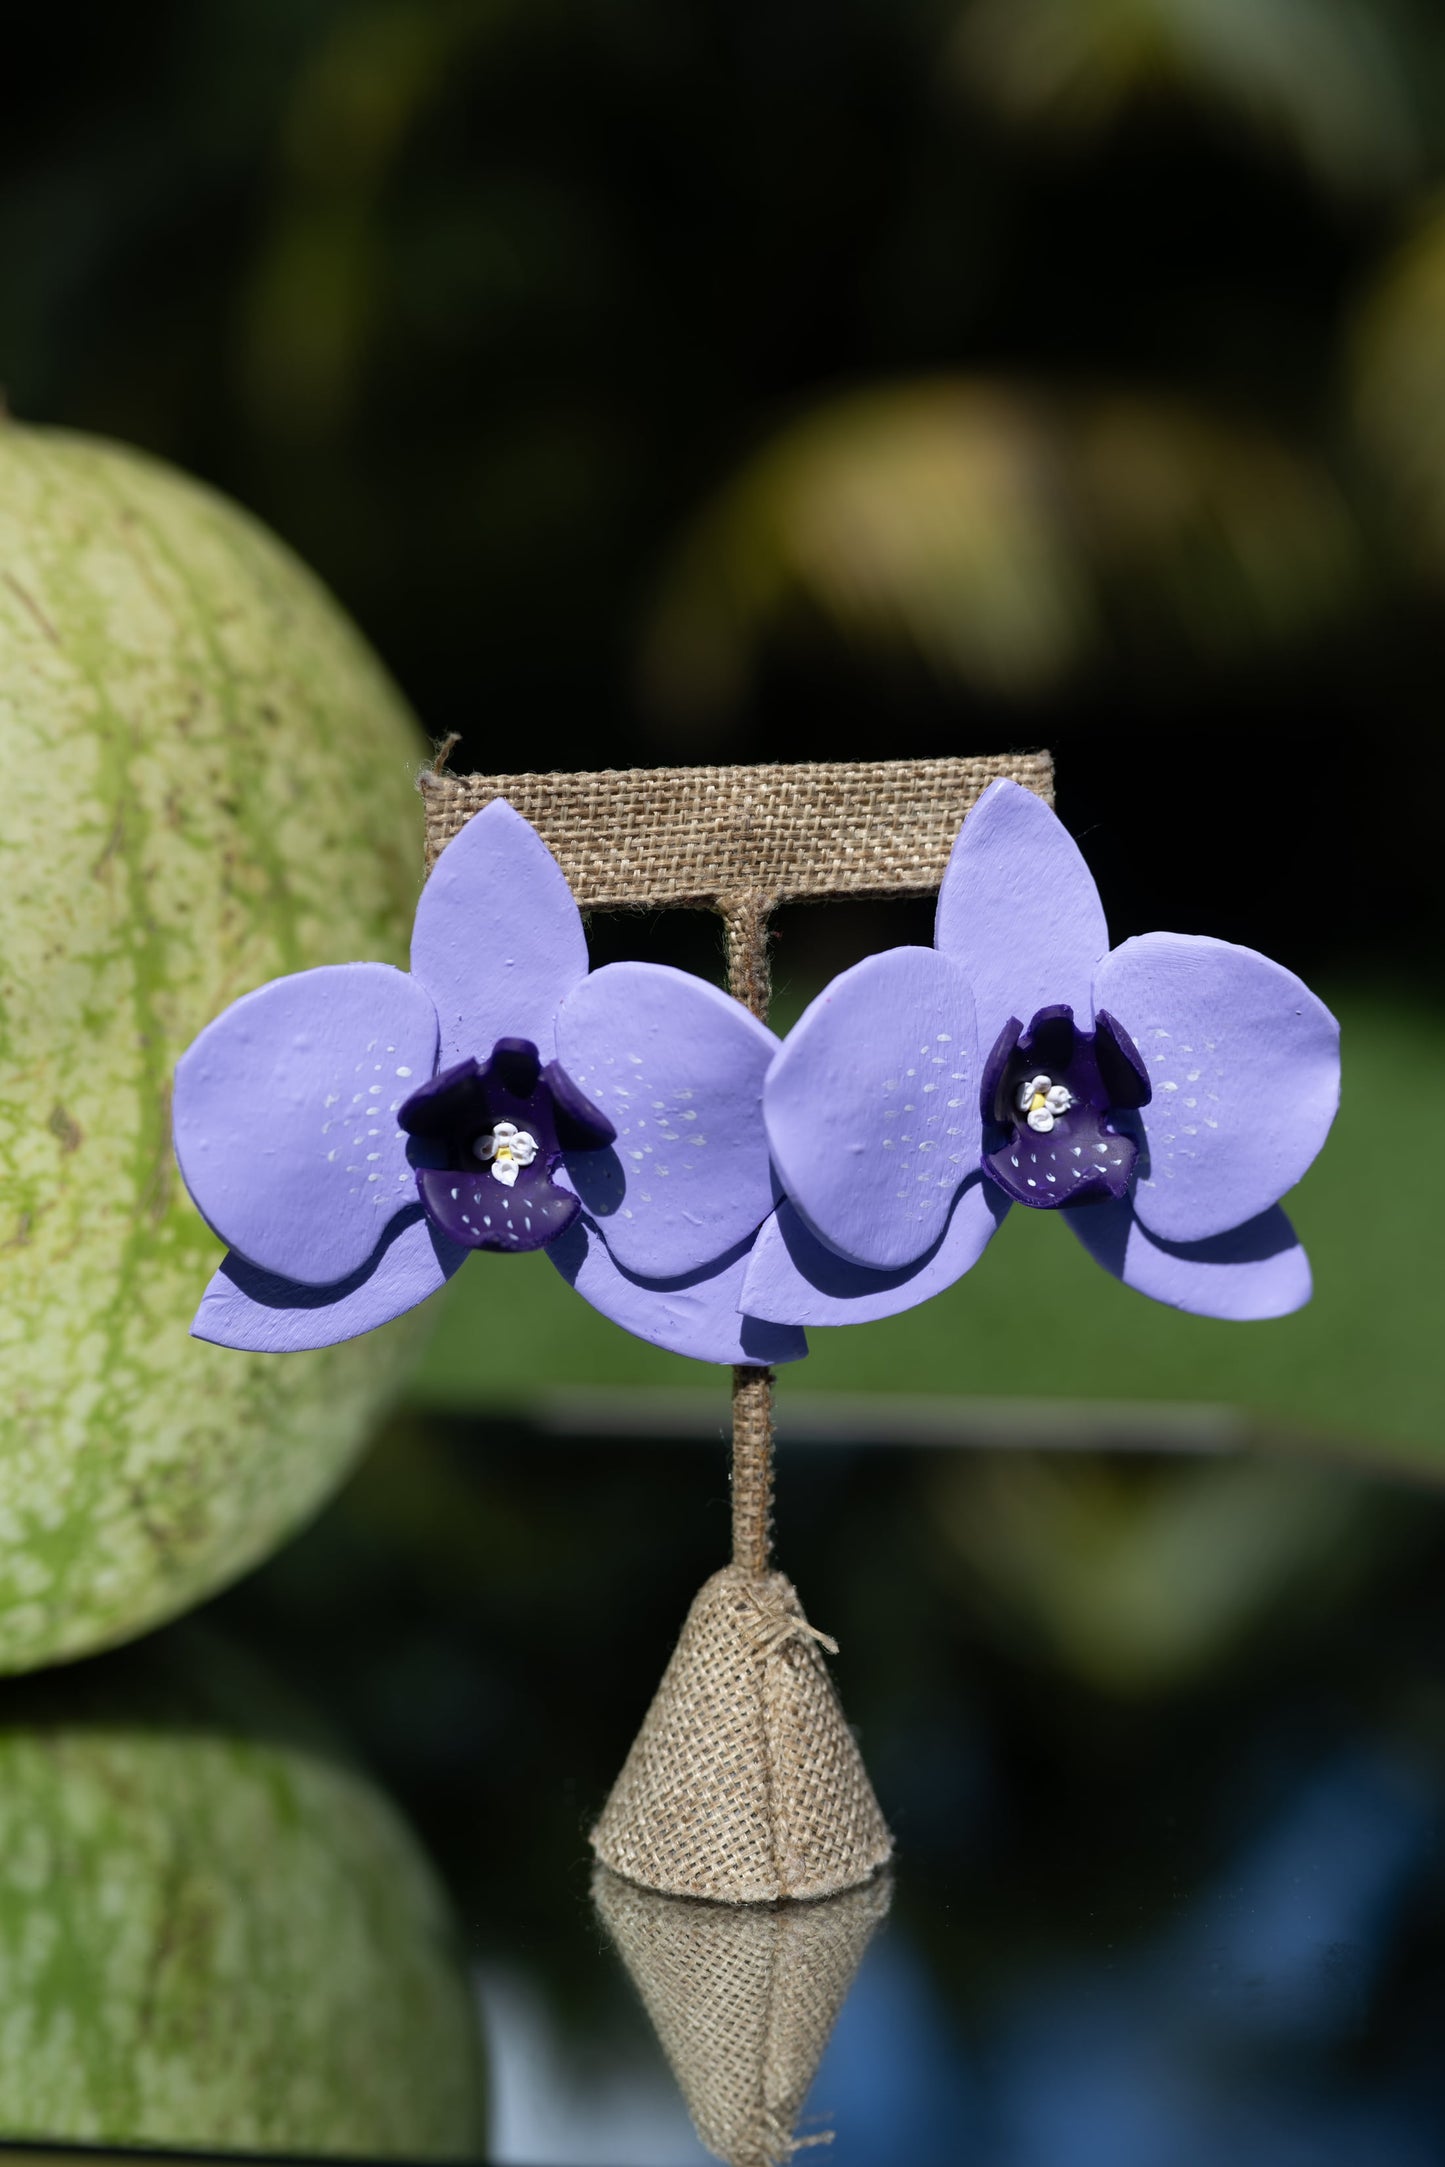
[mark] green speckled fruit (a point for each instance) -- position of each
(214, 1932)
(205, 781)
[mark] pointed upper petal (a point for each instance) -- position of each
(263, 1314)
(792, 1277)
(285, 1116)
(1254, 1271)
(872, 1107)
(498, 939)
(1019, 913)
(1245, 1068)
(677, 1066)
(697, 1315)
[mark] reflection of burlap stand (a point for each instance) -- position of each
(744, 1784)
(743, 2001)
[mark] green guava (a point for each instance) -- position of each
(206, 779)
(214, 1932)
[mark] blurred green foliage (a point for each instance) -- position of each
(1325, 80)
(1003, 537)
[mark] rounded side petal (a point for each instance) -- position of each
(263, 1314)
(498, 939)
(872, 1107)
(1254, 1271)
(697, 1315)
(1245, 1067)
(794, 1279)
(1018, 911)
(677, 1066)
(285, 1116)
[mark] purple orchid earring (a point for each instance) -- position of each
(354, 1132)
(1162, 1096)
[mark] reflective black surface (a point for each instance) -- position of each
(1162, 1742)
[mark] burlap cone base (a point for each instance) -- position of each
(743, 2002)
(744, 1784)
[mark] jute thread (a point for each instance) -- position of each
(743, 2001)
(744, 1784)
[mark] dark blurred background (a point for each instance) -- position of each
(663, 382)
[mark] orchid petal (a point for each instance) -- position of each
(677, 1066)
(1019, 913)
(262, 1313)
(498, 939)
(1245, 1067)
(285, 1116)
(697, 1314)
(872, 1107)
(1253, 1271)
(793, 1277)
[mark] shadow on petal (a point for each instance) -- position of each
(697, 1314)
(794, 1276)
(258, 1311)
(598, 1179)
(1254, 1271)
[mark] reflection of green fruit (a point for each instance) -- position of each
(205, 781)
(215, 1933)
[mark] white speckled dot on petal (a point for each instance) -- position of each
(1244, 1065)
(285, 1116)
(677, 1067)
(870, 1155)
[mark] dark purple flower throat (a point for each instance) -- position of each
(1051, 1096)
(489, 1137)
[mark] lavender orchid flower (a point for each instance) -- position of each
(354, 1132)
(1162, 1095)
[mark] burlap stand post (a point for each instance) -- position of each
(743, 1999)
(744, 1784)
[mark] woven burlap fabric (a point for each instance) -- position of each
(744, 1783)
(660, 838)
(743, 2001)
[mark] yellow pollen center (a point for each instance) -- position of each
(1036, 1102)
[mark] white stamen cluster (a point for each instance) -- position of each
(506, 1149)
(1041, 1101)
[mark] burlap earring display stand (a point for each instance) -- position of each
(743, 2000)
(744, 1784)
